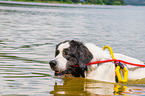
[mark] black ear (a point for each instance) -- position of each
(83, 55)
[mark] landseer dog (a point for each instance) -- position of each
(71, 52)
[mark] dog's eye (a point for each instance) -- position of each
(65, 53)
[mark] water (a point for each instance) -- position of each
(28, 35)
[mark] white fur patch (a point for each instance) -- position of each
(103, 72)
(61, 61)
(106, 71)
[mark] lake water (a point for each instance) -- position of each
(28, 35)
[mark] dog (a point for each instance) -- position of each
(72, 52)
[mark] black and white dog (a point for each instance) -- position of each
(70, 53)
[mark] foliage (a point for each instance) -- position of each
(98, 2)
(116, 3)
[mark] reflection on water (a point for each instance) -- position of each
(80, 86)
(28, 35)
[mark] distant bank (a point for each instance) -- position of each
(126, 2)
(51, 4)
(83, 2)
(41, 4)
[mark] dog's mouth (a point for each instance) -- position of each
(61, 74)
(57, 73)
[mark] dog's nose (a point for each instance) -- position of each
(52, 63)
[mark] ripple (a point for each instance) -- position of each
(20, 58)
(28, 46)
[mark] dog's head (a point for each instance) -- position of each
(70, 53)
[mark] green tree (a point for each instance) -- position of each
(122, 1)
(100, 2)
(116, 3)
(92, 1)
(75, 1)
(108, 2)
(68, 1)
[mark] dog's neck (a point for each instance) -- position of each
(103, 72)
(97, 52)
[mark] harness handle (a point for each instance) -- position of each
(124, 70)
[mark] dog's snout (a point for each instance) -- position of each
(52, 63)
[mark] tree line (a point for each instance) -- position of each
(97, 2)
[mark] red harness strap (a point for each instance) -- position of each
(97, 62)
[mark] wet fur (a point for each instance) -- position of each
(78, 54)
(70, 53)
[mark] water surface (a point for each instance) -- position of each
(28, 35)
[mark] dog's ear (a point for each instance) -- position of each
(75, 44)
(84, 56)
(82, 53)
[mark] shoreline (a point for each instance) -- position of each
(53, 4)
